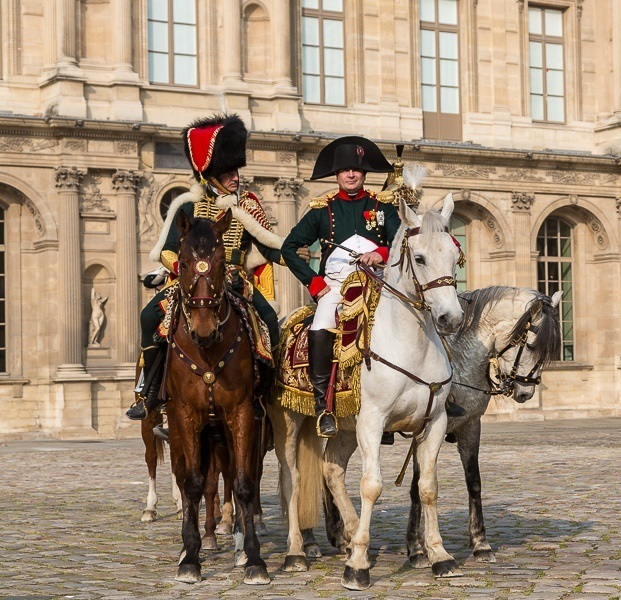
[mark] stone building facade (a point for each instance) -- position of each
(514, 106)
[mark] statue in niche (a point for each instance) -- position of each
(97, 320)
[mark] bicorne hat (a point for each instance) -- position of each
(350, 152)
(215, 145)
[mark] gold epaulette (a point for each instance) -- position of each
(322, 201)
(386, 196)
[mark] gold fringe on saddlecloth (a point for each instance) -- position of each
(346, 404)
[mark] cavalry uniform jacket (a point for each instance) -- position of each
(336, 217)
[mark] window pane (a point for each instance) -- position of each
(553, 271)
(541, 271)
(554, 56)
(448, 73)
(311, 86)
(158, 9)
(335, 5)
(556, 109)
(427, 10)
(310, 59)
(568, 353)
(448, 45)
(536, 81)
(428, 70)
(536, 54)
(158, 68)
(534, 21)
(333, 62)
(449, 100)
(554, 82)
(334, 90)
(566, 270)
(184, 11)
(158, 37)
(310, 3)
(551, 247)
(184, 37)
(333, 33)
(554, 22)
(447, 12)
(427, 43)
(429, 98)
(536, 107)
(310, 31)
(185, 70)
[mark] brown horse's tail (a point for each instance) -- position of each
(159, 448)
(310, 468)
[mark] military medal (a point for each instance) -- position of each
(370, 217)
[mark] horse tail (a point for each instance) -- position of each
(310, 469)
(159, 448)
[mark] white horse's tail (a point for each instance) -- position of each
(310, 469)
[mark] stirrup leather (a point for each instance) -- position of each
(318, 424)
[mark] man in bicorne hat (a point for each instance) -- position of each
(216, 149)
(358, 220)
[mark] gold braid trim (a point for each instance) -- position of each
(322, 201)
(169, 258)
(345, 405)
(254, 209)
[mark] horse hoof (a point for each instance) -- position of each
(240, 558)
(256, 575)
(224, 529)
(148, 516)
(419, 561)
(356, 579)
(209, 543)
(188, 573)
(295, 563)
(312, 550)
(446, 568)
(486, 556)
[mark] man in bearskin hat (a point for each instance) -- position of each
(216, 149)
(354, 218)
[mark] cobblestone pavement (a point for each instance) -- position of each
(70, 523)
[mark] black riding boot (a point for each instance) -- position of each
(320, 344)
(453, 409)
(153, 372)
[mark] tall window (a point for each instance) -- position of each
(458, 231)
(547, 82)
(323, 54)
(2, 297)
(554, 273)
(172, 42)
(439, 66)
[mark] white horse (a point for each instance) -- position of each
(406, 336)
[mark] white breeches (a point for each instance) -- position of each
(325, 315)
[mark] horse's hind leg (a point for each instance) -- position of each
(414, 535)
(153, 453)
(468, 443)
(209, 541)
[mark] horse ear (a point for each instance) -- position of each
(183, 222)
(535, 307)
(408, 216)
(222, 224)
(447, 207)
(556, 298)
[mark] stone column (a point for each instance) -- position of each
(128, 315)
(231, 55)
(67, 48)
(522, 203)
(616, 56)
(286, 193)
(70, 317)
(281, 39)
(122, 40)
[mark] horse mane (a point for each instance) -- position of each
(201, 236)
(547, 344)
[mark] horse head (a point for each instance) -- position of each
(429, 256)
(202, 276)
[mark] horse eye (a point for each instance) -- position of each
(530, 347)
(419, 260)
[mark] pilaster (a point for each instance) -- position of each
(521, 205)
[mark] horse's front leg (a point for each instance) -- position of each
(244, 450)
(442, 563)
(414, 535)
(468, 443)
(336, 458)
(357, 570)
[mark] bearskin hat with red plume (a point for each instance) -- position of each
(215, 145)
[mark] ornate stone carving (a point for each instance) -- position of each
(76, 145)
(286, 157)
(126, 180)
(521, 175)
(574, 178)
(92, 200)
(125, 148)
(522, 201)
(618, 204)
(478, 171)
(287, 188)
(579, 9)
(36, 215)
(97, 320)
(598, 231)
(146, 210)
(490, 222)
(68, 179)
(14, 144)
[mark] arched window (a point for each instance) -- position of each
(2, 297)
(555, 272)
(167, 199)
(458, 231)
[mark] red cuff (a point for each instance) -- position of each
(175, 267)
(383, 251)
(316, 285)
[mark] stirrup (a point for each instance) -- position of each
(323, 414)
(137, 415)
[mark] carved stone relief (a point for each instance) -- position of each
(146, 210)
(453, 170)
(76, 146)
(68, 179)
(522, 201)
(490, 222)
(92, 199)
(28, 204)
(618, 204)
(22, 144)
(126, 180)
(520, 175)
(287, 188)
(125, 148)
(573, 177)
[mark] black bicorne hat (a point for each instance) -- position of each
(350, 152)
(215, 145)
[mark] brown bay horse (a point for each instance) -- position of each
(210, 387)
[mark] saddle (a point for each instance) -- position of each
(293, 389)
